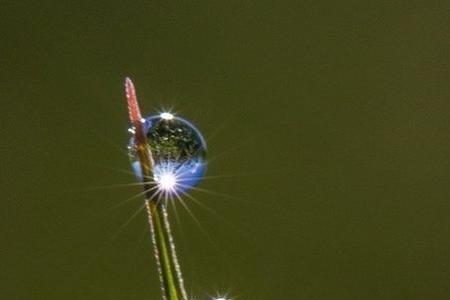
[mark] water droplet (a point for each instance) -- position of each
(178, 151)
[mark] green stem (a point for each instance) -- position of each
(172, 285)
(164, 250)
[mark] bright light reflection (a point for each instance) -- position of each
(221, 298)
(166, 116)
(167, 181)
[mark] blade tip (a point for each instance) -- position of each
(133, 106)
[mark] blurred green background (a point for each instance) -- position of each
(328, 131)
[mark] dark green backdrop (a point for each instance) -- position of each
(328, 120)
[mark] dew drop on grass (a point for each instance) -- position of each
(178, 151)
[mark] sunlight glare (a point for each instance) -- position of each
(167, 181)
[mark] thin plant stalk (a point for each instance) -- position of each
(172, 284)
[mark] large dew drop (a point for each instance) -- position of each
(178, 151)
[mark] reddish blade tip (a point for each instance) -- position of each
(133, 106)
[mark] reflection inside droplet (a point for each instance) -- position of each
(178, 150)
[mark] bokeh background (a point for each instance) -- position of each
(328, 132)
